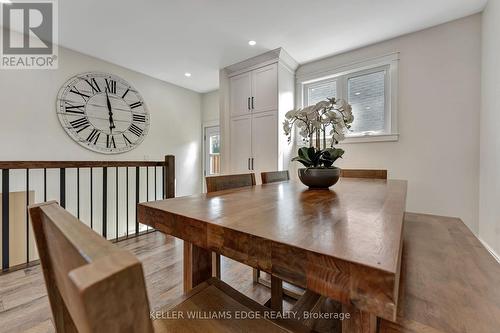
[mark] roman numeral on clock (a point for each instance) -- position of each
(93, 84)
(135, 105)
(80, 124)
(75, 109)
(111, 86)
(93, 136)
(139, 118)
(127, 141)
(126, 92)
(110, 142)
(75, 91)
(134, 129)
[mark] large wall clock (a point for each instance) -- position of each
(103, 113)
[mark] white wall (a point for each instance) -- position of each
(489, 210)
(30, 125)
(30, 130)
(210, 107)
(439, 98)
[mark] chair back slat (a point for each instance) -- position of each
(362, 173)
(220, 183)
(274, 176)
(93, 286)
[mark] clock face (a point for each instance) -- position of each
(103, 113)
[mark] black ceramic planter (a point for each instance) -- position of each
(319, 178)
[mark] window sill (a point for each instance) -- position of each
(370, 138)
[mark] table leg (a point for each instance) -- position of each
(359, 321)
(216, 269)
(197, 265)
(276, 294)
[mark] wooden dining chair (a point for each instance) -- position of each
(274, 176)
(227, 182)
(363, 173)
(96, 287)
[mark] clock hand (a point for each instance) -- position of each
(110, 112)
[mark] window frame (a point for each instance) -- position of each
(341, 75)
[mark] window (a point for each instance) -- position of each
(214, 154)
(212, 151)
(317, 92)
(370, 88)
(366, 94)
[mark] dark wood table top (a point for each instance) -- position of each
(344, 242)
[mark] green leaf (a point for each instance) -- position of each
(304, 162)
(311, 152)
(303, 153)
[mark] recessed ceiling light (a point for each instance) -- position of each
(252, 42)
(368, 107)
(187, 74)
(357, 94)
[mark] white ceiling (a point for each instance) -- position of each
(166, 38)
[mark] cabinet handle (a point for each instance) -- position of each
(252, 163)
(252, 103)
(249, 164)
(248, 103)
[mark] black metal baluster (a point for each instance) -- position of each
(91, 199)
(45, 185)
(147, 190)
(127, 200)
(116, 181)
(27, 216)
(104, 202)
(163, 182)
(5, 218)
(136, 198)
(78, 193)
(62, 187)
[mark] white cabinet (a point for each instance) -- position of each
(254, 91)
(264, 142)
(240, 94)
(255, 95)
(241, 144)
(254, 143)
(265, 89)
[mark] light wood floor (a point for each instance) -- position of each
(24, 305)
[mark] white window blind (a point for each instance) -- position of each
(366, 94)
(319, 91)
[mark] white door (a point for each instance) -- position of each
(241, 144)
(265, 142)
(265, 89)
(240, 94)
(212, 151)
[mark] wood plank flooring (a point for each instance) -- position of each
(24, 306)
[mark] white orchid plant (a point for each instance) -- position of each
(313, 122)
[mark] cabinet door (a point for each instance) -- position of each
(241, 144)
(265, 142)
(240, 87)
(265, 88)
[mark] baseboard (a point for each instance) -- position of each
(490, 250)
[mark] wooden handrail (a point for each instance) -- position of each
(76, 164)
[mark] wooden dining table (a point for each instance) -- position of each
(344, 243)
